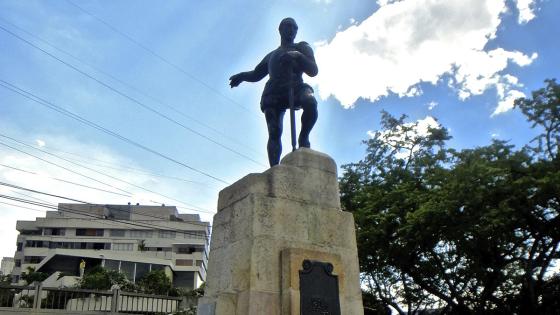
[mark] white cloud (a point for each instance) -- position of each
(40, 142)
(432, 105)
(409, 42)
(507, 90)
(385, 2)
(506, 103)
(525, 8)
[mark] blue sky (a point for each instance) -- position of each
(156, 72)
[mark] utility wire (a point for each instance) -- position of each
(151, 226)
(162, 59)
(20, 206)
(130, 98)
(104, 174)
(42, 211)
(62, 180)
(120, 167)
(137, 90)
(65, 112)
(60, 166)
(73, 199)
(105, 205)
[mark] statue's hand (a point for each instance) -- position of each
(294, 54)
(291, 58)
(235, 80)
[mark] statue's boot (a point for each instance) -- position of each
(274, 149)
(308, 119)
(303, 141)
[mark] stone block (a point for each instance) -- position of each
(266, 225)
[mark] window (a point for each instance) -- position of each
(112, 264)
(183, 262)
(141, 233)
(54, 231)
(17, 263)
(194, 234)
(89, 232)
(99, 245)
(30, 232)
(19, 247)
(167, 234)
(39, 244)
(127, 267)
(123, 246)
(32, 259)
(141, 270)
(117, 233)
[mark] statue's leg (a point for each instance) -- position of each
(309, 116)
(274, 118)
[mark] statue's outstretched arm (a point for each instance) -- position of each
(260, 71)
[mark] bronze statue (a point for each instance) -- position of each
(285, 66)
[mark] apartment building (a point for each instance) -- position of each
(133, 239)
(7, 266)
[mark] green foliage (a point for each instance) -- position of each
(33, 276)
(462, 232)
(198, 292)
(373, 306)
(157, 282)
(99, 278)
(142, 246)
(5, 279)
(543, 110)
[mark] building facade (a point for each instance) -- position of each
(7, 266)
(133, 239)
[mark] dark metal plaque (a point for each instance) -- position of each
(318, 289)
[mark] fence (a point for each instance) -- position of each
(75, 300)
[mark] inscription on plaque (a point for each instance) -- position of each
(318, 289)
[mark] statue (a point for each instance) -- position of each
(82, 268)
(285, 88)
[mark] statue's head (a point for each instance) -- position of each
(288, 28)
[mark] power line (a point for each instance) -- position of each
(116, 166)
(62, 180)
(75, 200)
(19, 206)
(108, 206)
(159, 57)
(130, 98)
(65, 112)
(137, 90)
(104, 174)
(151, 226)
(60, 166)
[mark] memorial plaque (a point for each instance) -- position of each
(318, 289)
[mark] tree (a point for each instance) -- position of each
(5, 279)
(157, 282)
(461, 232)
(543, 110)
(33, 276)
(99, 278)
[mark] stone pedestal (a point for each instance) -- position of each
(266, 226)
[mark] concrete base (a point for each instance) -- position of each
(266, 225)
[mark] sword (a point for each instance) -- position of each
(292, 111)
